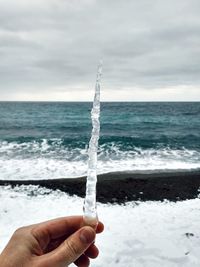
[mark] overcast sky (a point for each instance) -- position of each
(49, 49)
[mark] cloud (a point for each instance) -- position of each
(50, 44)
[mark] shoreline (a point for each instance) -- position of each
(120, 187)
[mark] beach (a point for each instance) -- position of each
(120, 188)
(140, 234)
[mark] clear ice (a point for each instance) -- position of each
(90, 211)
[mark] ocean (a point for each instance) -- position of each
(46, 140)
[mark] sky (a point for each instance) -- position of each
(50, 49)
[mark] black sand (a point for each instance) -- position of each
(122, 187)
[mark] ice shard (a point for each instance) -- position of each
(90, 211)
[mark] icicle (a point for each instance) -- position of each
(90, 212)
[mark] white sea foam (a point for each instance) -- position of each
(149, 234)
(52, 148)
(40, 168)
(36, 160)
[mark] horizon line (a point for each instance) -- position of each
(103, 101)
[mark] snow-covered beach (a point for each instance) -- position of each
(139, 234)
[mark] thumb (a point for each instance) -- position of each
(72, 248)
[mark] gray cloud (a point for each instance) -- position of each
(46, 44)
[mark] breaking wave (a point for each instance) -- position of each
(53, 158)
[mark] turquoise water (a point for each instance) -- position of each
(53, 137)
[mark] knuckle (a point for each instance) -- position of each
(71, 248)
(20, 230)
(18, 233)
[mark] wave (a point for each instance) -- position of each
(51, 148)
(50, 159)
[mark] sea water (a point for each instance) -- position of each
(54, 137)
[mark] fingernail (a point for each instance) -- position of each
(87, 235)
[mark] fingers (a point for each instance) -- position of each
(82, 261)
(60, 227)
(92, 252)
(100, 228)
(57, 228)
(70, 250)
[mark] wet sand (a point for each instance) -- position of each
(120, 187)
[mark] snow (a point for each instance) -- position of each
(142, 234)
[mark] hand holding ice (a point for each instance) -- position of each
(90, 213)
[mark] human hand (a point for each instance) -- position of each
(55, 243)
